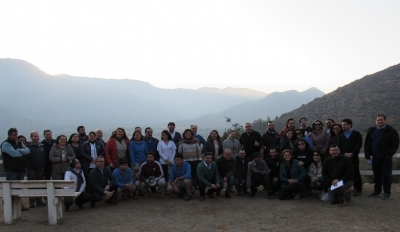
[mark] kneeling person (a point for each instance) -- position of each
(207, 174)
(124, 180)
(258, 174)
(150, 168)
(181, 178)
(75, 173)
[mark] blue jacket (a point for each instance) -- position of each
(185, 171)
(122, 179)
(137, 152)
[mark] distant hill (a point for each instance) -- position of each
(233, 91)
(360, 101)
(271, 106)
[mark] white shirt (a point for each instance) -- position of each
(93, 153)
(71, 176)
(166, 151)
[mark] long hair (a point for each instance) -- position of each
(114, 133)
(209, 136)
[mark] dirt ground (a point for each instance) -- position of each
(240, 213)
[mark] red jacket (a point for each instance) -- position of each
(111, 151)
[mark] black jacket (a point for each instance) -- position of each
(13, 164)
(226, 168)
(241, 168)
(209, 147)
(305, 156)
(274, 166)
(388, 143)
(86, 151)
(270, 141)
(37, 156)
(339, 168)
(247, 141)
(352, 144)
(98, 181)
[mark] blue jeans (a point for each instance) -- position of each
(15, 175)
(314, 185)
(382, 168)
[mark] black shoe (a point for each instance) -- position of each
(181, 195)
(356, 193)
(270, 196)
(227, 195)
(374, 194)
(80, 207)
(66, 209)
(238, 193)
(211, 195)
(218, 193)
(40, 203)
(32, 206)
(23, 208)
(187, 198)
(201, 198)
(92, 204)
(111, 202)
(386, 196)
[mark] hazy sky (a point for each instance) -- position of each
(263, 45)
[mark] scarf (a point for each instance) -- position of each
(191, 140)
(79, 178)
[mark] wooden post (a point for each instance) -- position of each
(8, 218)
(59, 208)
(17, 207)
(51, 200)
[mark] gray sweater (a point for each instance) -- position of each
(262, 168)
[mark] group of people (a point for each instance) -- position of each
(290, 163)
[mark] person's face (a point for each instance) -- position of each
(99, 134)
(334, 152)
(289, 134)
(48, 135)
(345, 126)
(242, 154)
(119, 134)
(228, 155)
(336, 129)
(290, 124)
(316, 157)
(123, 167)
(35, 137)
(75, 138)
(272, 153)
(208, 159)
(100, 162)
(149, 133)
(92, 137)
(298, 134)
(137, 137)
(62, 141)
(271, 126)
(232, 135)
(138, 129)
(82, 132)
(194, 129)
(248, 127)
(22, 140)
(164, 136)
(328, 124)
(317, 125)
(380, 121)
(13, 136)
(171, 127)
(213, 135)
(257, 159)
(150, 159)
(303, 122)
(78, 164)
(188, 135)
(301, 145)
(178, 161)
(287, 156)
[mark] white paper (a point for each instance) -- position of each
(339, 184)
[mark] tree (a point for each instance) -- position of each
(234, 127)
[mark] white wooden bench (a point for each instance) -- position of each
(54, 190)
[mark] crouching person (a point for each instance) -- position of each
(123, 178)
(208, 176)
(258, 174)
(150, 168)
(180, 178)
(75, 173)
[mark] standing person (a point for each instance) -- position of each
(232, 143)
(36, 165)
(99, 136)
(273, 162)
(242, 164)
(258, 174)
(288, 141)
(60, 155)
(167, 149)
(319, 137)
(208, 176)
(150, 168)
(117, 148)
(82, 134)
(101, 183)
(75, 173)
(73, 141)
(335, 132)
(299, 135)
(123, 179)
(350, 143)
(329, 124)
(292, 176)
(22, 139)
(181, 178)
(226, 168)
(290, 125)
(137, 152)
(251, 140)
(48, 142)
(270, 139)
(305, 129)
(90, 150)
(202, 141)
(381, 144)
(151, 142)
(176, 136)
(335, 169)
(14, 156)
(189, 148)
(214, 145)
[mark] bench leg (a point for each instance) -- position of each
(59, 208)
(51, 204)
(7, 207)
(17, 208)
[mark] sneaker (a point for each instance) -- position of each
(386, 196)
(374, 194)
(297, 196)
(325, 197)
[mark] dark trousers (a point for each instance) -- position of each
(240, 187)
(96, 196)
(202, 188)
(83, 198)
(357, 176)
(15, 175)
(35, 174)
(193, 169)
(382, 169)
(48, 170)
(264, 181)
(229, 184)
(340, 194)
(276, 185)
(289, 190)
(165, 170)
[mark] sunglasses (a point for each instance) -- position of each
(315, 155)
(300, 144)
(317, 124)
